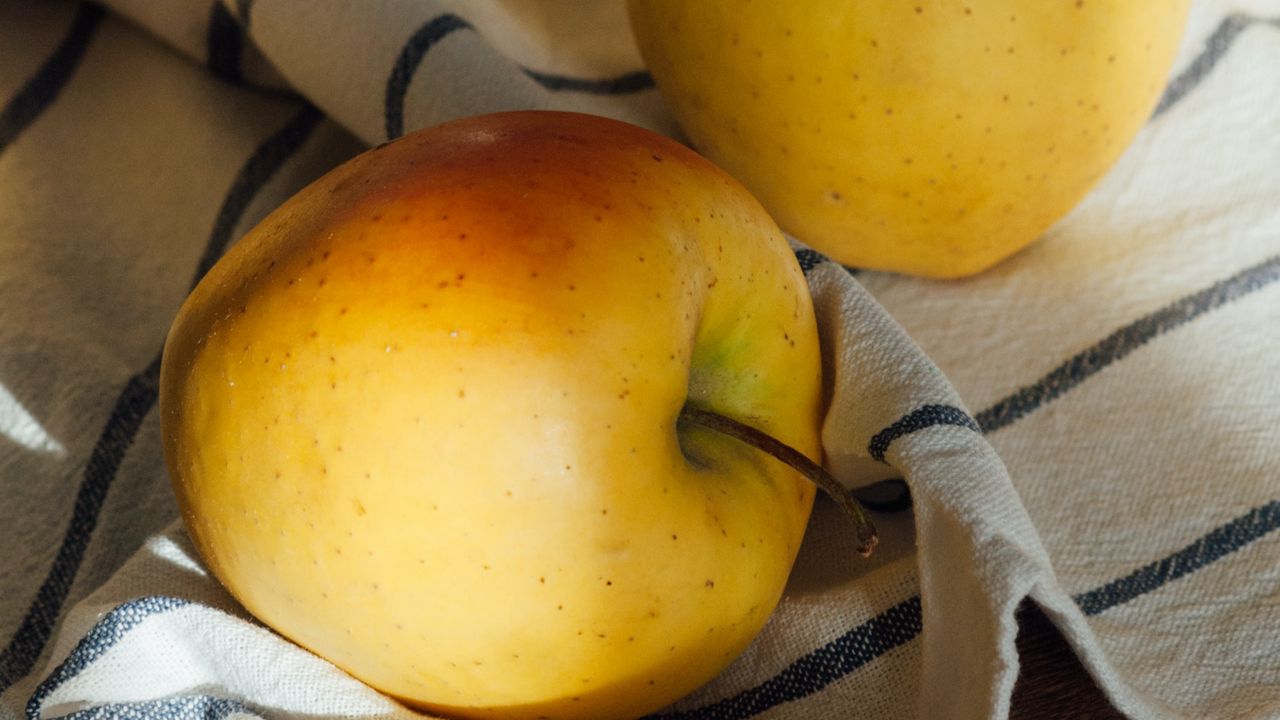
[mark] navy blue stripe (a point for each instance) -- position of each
(440, 27)
(926, 416)
(432, 32)
(810, 259)
(1076, 370)
(626, 83)
(1124, 341)
(1212, 547)
(223, 43)
(1086, 363)
(135, 401)
(43, 87)
(1215, 48)
(104, 635)
(814, 671)
(255, 173)
(805, 676)
(186, 707)
(1204, 551)
(902, 623)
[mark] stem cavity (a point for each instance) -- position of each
(864, 529)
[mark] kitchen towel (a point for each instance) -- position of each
(1094, 424)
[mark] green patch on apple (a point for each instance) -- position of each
(485, 417)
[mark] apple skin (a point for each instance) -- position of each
(422, 420)
(934, 137)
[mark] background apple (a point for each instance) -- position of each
(424, 419)
(933, 137)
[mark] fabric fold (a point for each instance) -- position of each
(1092, 425)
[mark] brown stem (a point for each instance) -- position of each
(863, 528)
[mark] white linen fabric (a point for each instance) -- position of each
(1093, 424)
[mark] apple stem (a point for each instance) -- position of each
(865, 530)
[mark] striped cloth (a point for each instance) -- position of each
(1094, 424)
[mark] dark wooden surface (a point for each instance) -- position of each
(1052, 684)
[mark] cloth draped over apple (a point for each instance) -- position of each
(1093, 424)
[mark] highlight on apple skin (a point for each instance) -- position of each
(424, 419)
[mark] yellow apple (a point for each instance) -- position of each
(425, 419)
(933, 137)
